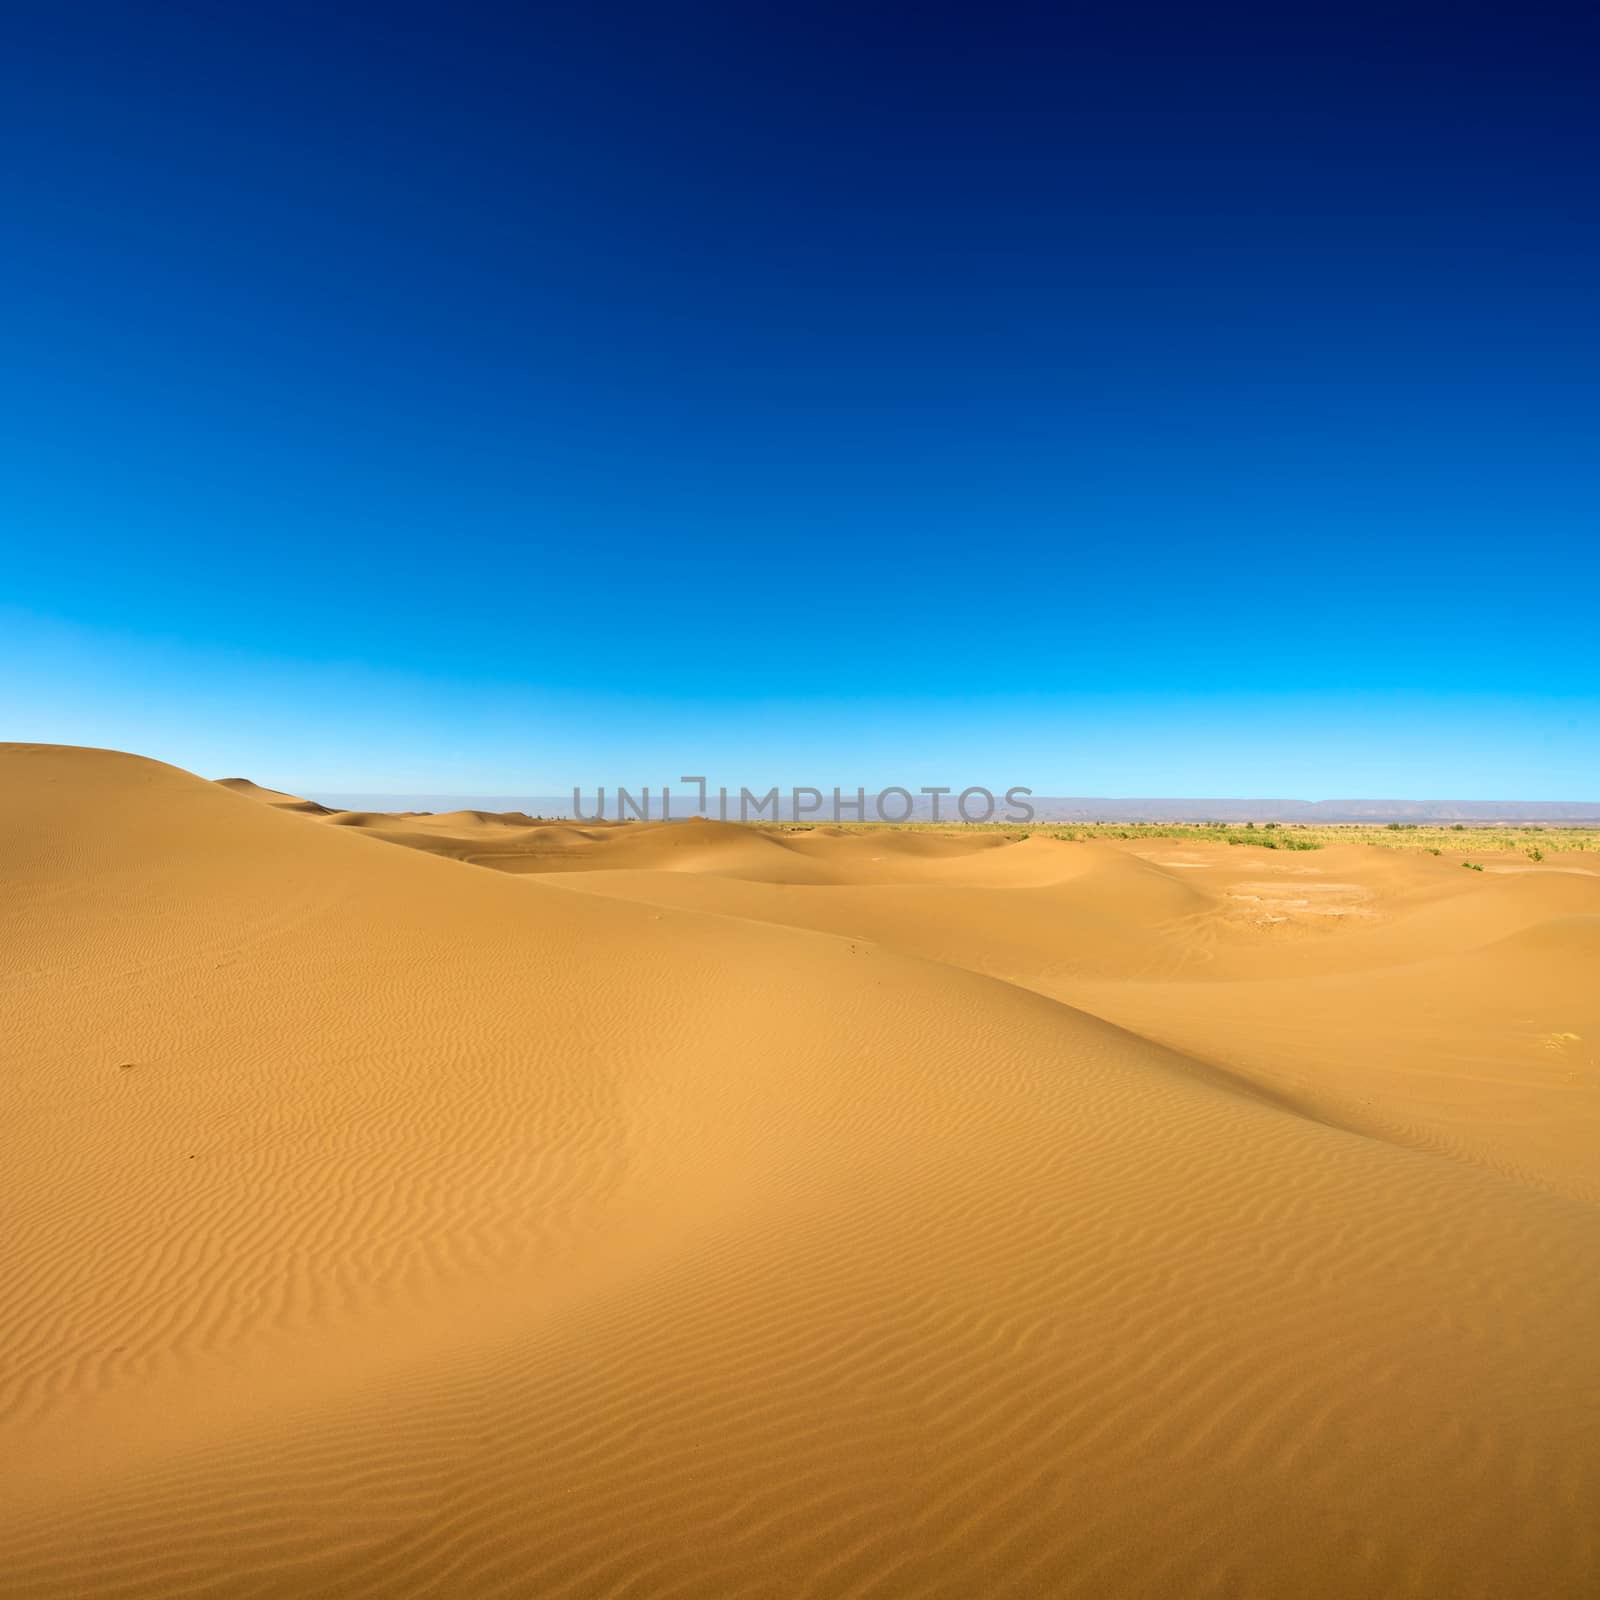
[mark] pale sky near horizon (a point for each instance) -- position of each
(345, 728)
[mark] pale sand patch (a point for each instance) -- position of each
(1305, 899)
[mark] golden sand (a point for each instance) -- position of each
(695, 1210)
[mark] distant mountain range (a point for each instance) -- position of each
(1481, 813)
(1474, 813)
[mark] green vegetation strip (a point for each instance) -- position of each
(1533, 842)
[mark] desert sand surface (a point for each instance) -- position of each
(474, 1206)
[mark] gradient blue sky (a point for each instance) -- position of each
(1114, 400)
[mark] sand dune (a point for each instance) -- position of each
(275, 797)
(706, 1211)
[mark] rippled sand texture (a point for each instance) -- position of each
(700, 1211)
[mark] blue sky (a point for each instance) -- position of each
(486, 400)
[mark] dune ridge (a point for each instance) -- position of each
(698, 1210)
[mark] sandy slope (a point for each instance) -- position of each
(701, 1211)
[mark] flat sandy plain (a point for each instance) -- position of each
(694, 1210)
